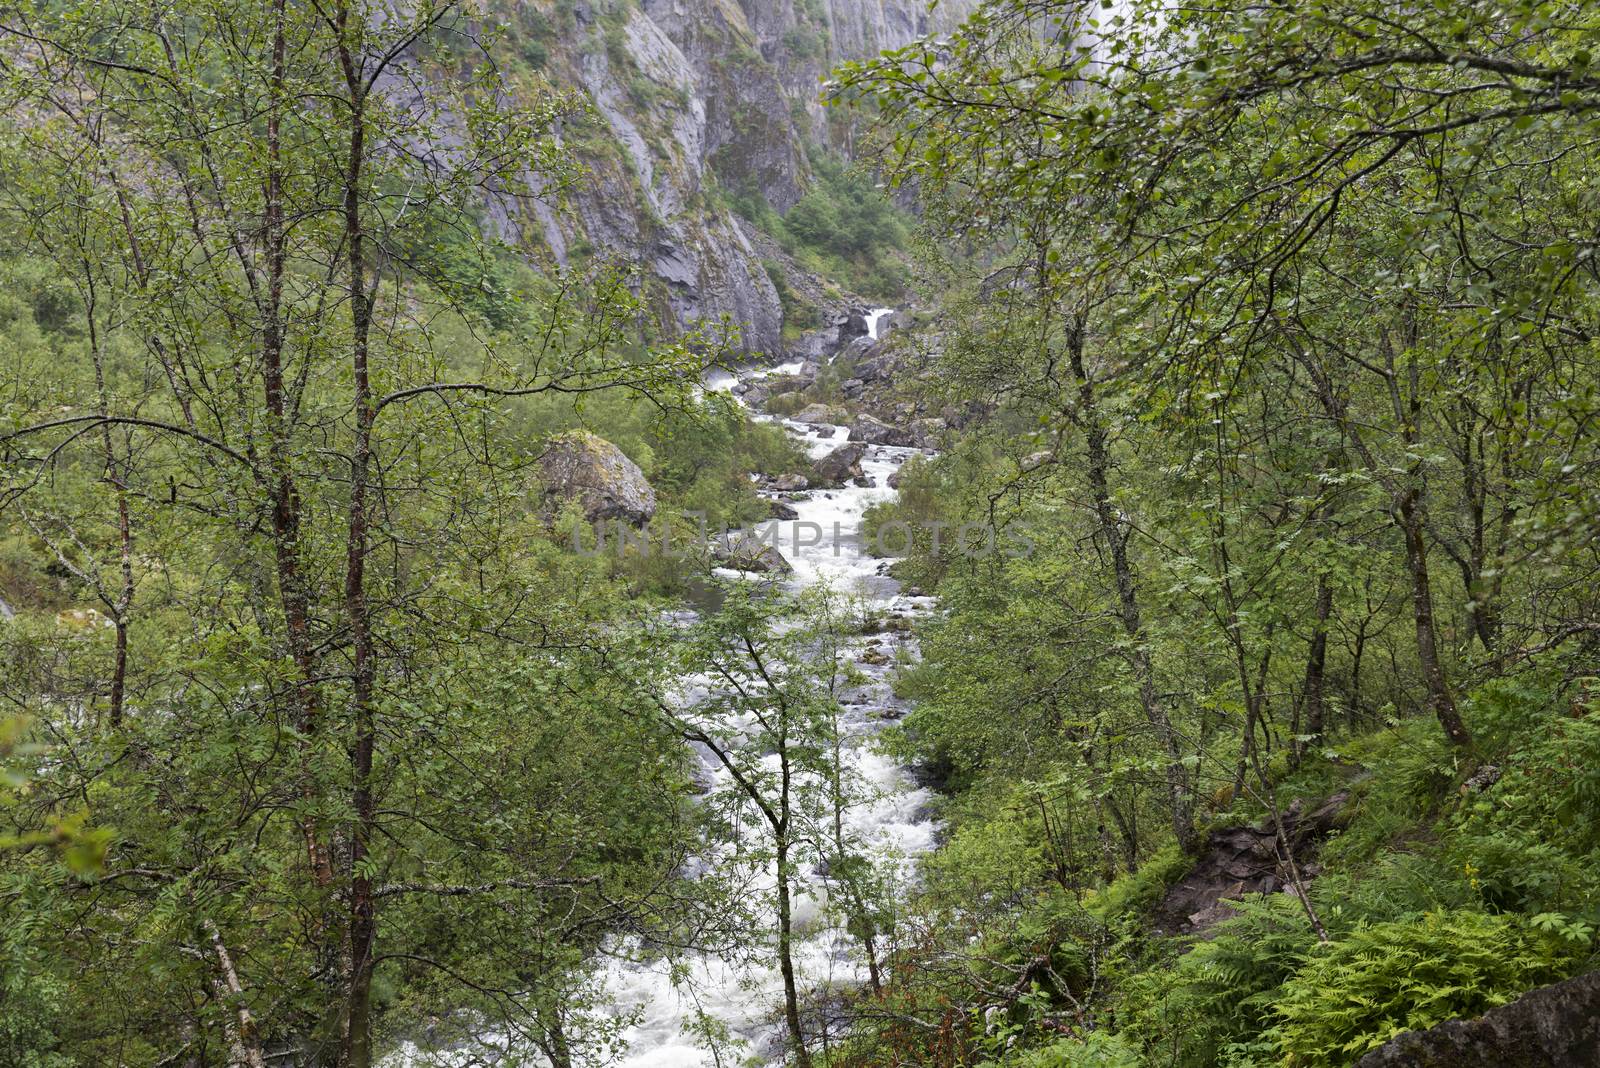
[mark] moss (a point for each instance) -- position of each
(1138, 890)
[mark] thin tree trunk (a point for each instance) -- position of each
(1127, 830)
(555, 1046)
(1311, 694)
(244, 1046)
(357, 1052)
(791, 993)
(293, 592)
(1180, 805)
(1440, 698)
(117, 475)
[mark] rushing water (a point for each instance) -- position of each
(875, 317)
(823, 544)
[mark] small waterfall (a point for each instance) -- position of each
(875, 317)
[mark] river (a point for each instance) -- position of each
(894, 826)
(656, 1001)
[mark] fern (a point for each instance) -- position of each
(1356, 993)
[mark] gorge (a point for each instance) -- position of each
(799, 533)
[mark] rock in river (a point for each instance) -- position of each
(745, 552)
(841, 465)
(876, 432)
(820, 413)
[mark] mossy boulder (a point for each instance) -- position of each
(591, 470)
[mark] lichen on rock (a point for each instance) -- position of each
(591, 470)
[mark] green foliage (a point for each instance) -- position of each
(803, 42)
(1218, 995)
(1133, 892)
(1219, 283)
(798, 316)
(35, 996)
(1377, 981)
(844, 228)
(1097, 1050)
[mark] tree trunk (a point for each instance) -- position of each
(357, 1052)
(244, 1046)
(1311, 695)
(791, 994)
(555, 1046)
(118, 477)
(1408, 513)
(1116, 536)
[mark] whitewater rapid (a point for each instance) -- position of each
(823, 545)
(657, 1004)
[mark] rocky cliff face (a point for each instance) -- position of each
(696, 103)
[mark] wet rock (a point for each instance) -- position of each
(787, 384)
(893, 480)
(864, 481)
(745, 552)
(791, 483)
(1243, 860)
(1556, 1026)
(826, 431)
(851, 326)
(781, 510)
(821, 413)
(840, 465)
(874, 657)
(876, 432)
(927, 433)
(591, 470)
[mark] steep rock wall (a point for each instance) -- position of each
(695, 102)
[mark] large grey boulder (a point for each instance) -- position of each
(591, 470)
(840, 465)
(927, 433)
(1556, 1026)
(876, 432)
(821, 413)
